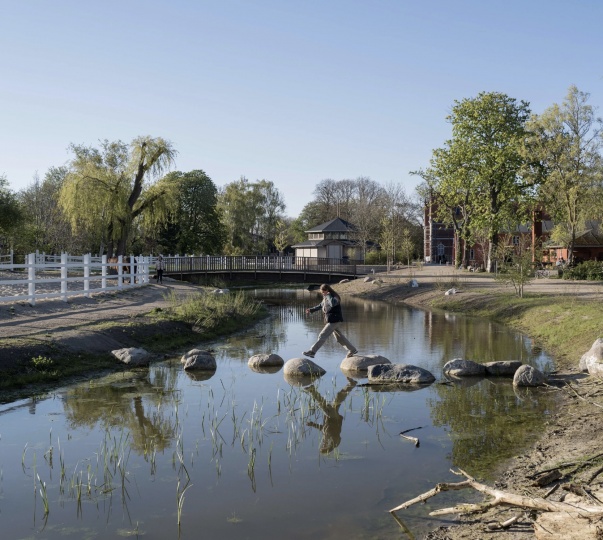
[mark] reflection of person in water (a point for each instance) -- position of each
(332, 419)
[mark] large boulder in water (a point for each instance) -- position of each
(528, 376)
(302, 367)
(197, 359)
(258, 361)
(399, 373)
(464, 368)
(361, 362)
(505, 368)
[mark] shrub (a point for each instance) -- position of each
(587, 270)
(375, 257)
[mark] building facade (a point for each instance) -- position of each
(330, 240)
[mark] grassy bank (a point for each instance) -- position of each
(565, 327)
(43, 361)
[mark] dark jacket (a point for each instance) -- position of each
(331, 309)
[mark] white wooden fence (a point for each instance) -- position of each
(62, 276)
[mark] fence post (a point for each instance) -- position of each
(104, 272)
(132, 271)
(12, 260)
(87, 275)
(64, 274)
(120, 272)
(31, 276)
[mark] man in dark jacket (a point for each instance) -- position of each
(331, 309)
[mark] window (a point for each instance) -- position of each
(515, 240)
(440, 249)
(471, 254)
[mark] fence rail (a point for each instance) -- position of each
(45, 276)
(193, 264)
(65, 275)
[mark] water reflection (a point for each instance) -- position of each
(486, 421)
(131, 400)
(199, 374)
(332, 420)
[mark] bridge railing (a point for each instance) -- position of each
(175, 265)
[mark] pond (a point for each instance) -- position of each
(158, 453)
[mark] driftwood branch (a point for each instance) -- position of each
(502, 525)
(413, 439)
(498, 498)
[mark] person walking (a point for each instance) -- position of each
(159, 269)
(331, 309)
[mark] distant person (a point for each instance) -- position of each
(159, 268)
(331, 310)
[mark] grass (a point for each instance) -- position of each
(216, 314)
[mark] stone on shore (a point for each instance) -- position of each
(592, 361)
(361, 362)
(399, 373)
(132, 356)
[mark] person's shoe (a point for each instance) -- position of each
(309, 354)
(351, 353)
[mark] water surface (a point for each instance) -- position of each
(238, 454)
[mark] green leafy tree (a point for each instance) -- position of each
(566, 140)
(112, 189)
(483, 162)
(250, 214)
(407, 246)
(284, 235)
(195, 225)
(11, 215)
(516, 267)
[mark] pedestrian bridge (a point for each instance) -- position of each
(197, 269)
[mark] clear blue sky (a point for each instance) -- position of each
(289, 91)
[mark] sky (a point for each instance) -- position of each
(294, 92)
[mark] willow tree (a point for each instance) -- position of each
(116, 187)
(250, 212)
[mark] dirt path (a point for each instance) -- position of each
(68, 323)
